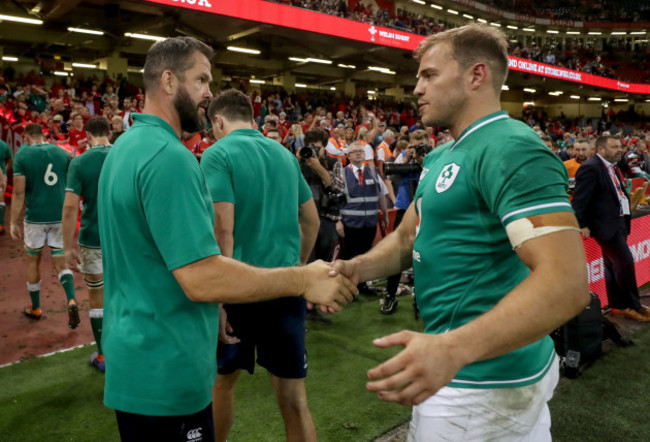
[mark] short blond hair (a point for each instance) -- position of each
(471, 44)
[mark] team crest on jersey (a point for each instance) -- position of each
(447, 177)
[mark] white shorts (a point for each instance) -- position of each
(502, 414)
(90, 260)
(37, 235)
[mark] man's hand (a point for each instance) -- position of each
(72, 259)
(384, 222)
(339, 229)
(16, 232)
(313, 163)
(350, 269)
(427, 363)
(328, 291)
(225, 329)
(586, 233)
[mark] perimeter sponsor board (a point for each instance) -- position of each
(262, 11)
(639, 243)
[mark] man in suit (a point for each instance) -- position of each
(603, 210)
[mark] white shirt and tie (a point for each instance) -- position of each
(622, 199)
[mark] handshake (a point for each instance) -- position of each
(330, 285)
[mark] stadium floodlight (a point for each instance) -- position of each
(595, 33)
(512, 27)
(575, 97)
(573, 32)
(254, 81)
(529, 103)
(527, 89)
(498, 25)
(86, 31)
(594, 99)
(619, 33)
(382, 70)
(8, 58)
(436, 7)
(372, 92)
(298, 59)
(621, 100)
(638, 33)
(346, 66)
(332, 88)
(452, 11)
(469, 17)
(29, 21)
(319, 60)
(552, 31)
(481, 20)
(144, 36)
(301, 85)
(244, 50)
(84, 65)
(555, 94)
(505, 87)
(420, 2)
(61, 73)
(528, 29)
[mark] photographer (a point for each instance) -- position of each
(407, 166)
(324, 175)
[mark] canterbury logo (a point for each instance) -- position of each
(194, 435)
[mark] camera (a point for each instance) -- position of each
(422, 149)
(308, 152)
(401, 169)
(332, 200)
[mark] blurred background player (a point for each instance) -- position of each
(83, 179)
(39, 184)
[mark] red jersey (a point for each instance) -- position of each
(78, 138)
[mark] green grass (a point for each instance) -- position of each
(60, 397)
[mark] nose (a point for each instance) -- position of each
(418, 91)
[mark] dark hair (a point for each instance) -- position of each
(34, 130)
(231, 104)
(98, 126)
(174, 54)
(273, 130)
(601, 142)
(315, 135)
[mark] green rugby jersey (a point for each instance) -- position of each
(263, 180)
(498, 171)
(83, 179)
(155, 215)
(5, 155)
(44, 167)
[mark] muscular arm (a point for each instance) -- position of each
(17, 202)
(309, 225)
(554, 292)
(224, 225)
(69, 225)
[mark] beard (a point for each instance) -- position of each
(188, 111)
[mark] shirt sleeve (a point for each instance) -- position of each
(370, 152)
(177, 206)
(18, 165)
(523, 178)
(73, 182)
(218, 175)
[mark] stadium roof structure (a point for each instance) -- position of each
(317, 49)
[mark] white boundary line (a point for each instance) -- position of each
(47, 354)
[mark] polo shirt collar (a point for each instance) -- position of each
(499, 115)
(249, 132)
(154, 121)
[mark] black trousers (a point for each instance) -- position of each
(188, 428)
(357, 241)
(325, 241)
(393, 280)
(620, 276)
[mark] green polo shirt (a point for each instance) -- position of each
(155, 215)
(83, 178)
(263, 180)
(44, 167)
(5, 156)
(498, 171)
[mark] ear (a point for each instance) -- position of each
(168, 82)
(478, 75)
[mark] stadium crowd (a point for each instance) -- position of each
(618, 62)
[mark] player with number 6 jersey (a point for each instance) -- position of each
(39, 183)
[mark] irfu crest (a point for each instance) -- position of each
(447, 177)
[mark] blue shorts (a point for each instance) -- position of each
(276, 329)
(188, 428)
